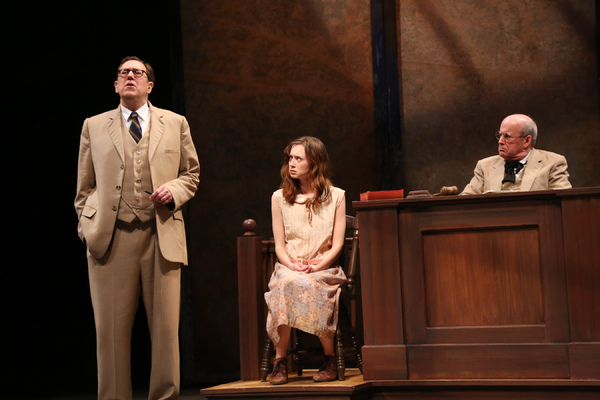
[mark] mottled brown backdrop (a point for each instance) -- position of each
(465, 64)
(259, 73)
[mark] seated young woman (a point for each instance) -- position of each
(309, 222)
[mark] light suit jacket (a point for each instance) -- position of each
(544, 171)
(101, 169)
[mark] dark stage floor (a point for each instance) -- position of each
(186, 394)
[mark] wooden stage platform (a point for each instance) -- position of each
(354, 387)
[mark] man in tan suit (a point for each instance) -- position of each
(137, 167)
(518, 165)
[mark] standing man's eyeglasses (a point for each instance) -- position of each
(137, 73)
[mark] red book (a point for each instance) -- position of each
(382, 194)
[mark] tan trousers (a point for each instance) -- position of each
(134, 265)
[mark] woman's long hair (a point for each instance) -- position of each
(317, 155)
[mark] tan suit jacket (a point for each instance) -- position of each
(544, 171)
(173, 163)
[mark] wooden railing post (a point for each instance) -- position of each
(251, 301)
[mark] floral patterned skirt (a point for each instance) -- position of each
(308, 302)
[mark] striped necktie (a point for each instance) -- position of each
(134, 128)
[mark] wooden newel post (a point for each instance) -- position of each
(251, 301)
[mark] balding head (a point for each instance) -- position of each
(518, 135)
(528, 126)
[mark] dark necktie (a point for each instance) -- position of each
(134, 128)
(511, 169)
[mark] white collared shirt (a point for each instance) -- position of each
(143, 116)
(524, 162)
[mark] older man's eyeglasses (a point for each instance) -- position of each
(507, 137)
(137, 73)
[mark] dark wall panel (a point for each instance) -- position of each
(466, 64)
(259, 74)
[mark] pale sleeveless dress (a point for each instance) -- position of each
(308, 302)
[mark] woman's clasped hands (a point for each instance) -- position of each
(303, 266)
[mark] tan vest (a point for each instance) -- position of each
(134, 199)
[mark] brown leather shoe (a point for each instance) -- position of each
(328, 370)
(279, 376)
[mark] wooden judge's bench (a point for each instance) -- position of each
(494, 286)
(493, 296)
